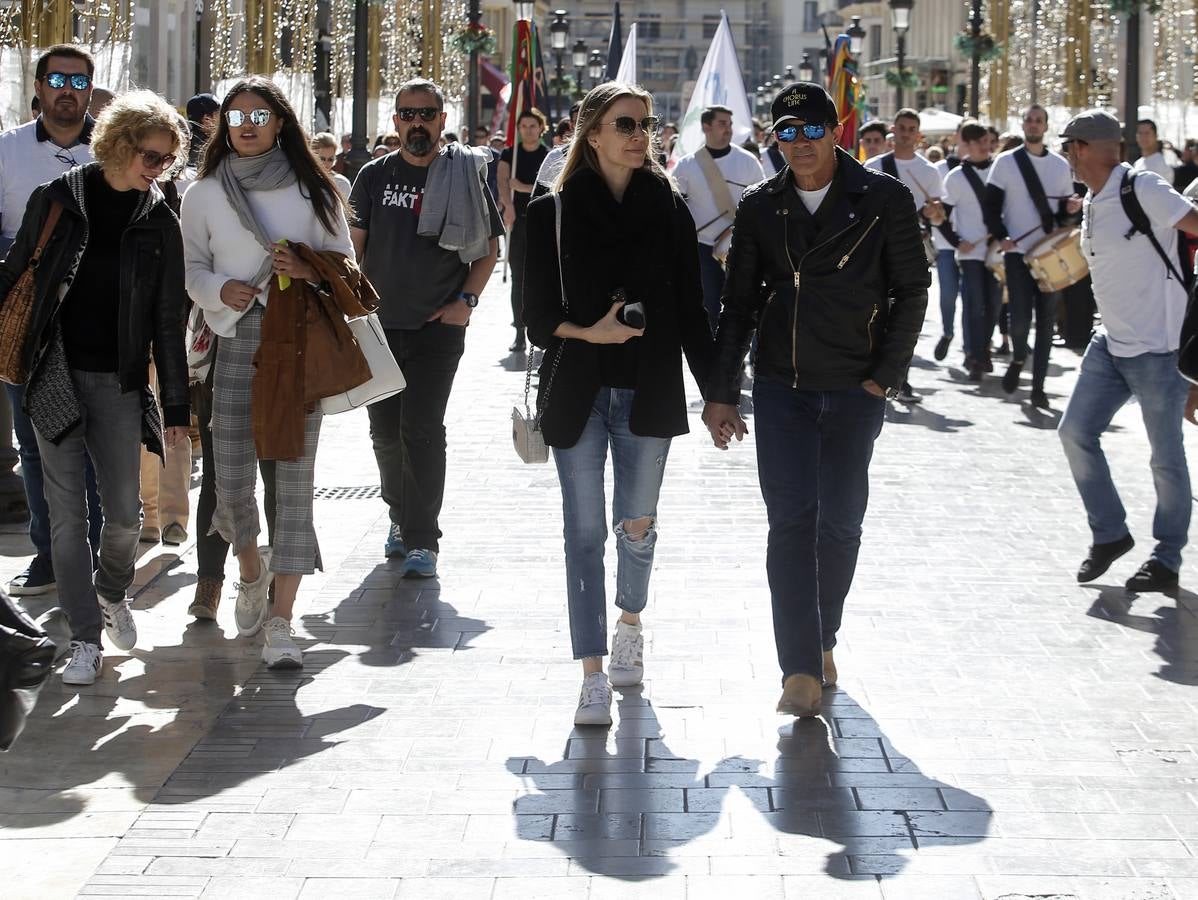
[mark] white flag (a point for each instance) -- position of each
(627, 72)
(719, 84)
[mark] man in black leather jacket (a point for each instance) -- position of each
(828, 266)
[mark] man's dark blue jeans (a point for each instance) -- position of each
(711, 277)
(813, 453)
(1026, 298)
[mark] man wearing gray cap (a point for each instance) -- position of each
(827, 265)
(1129, 237)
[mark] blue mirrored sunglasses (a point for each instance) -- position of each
(791, 132)
(79, 82)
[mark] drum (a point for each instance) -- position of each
(1057, 261)
(994, 262)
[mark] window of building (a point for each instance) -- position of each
(875, 41)
(649, 26)
(811, 15)
(710, 24)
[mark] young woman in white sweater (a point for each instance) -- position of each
(258, 183)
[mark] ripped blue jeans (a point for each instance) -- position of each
(638, 464)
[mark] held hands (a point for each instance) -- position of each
(610, 330)
(285, 261)
(724, 423)
(237, 295)
(174, 435)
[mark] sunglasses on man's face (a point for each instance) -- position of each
(790, 133)
(152, 159)
(408, 113)
(59, 80)
(628, 126)
(257, 117)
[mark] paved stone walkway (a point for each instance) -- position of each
(999, 731)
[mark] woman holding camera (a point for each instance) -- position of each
(615, 317)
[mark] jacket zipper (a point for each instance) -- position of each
(869, 329)
(844, 259)
(794, 335)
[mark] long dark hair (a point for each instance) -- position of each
(315, 182)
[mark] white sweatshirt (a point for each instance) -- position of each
(217, 248)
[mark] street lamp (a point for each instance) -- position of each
(559, 37)
(806, 69)
(358, 155)
(199, 44)
(579, 58)
(596, 66)
(789, 77)
(975, 31)
(525, 9)
(900, 11)
(856, 36)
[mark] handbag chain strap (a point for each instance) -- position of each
(543, 397)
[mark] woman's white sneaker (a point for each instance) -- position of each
(627, 665)
(250, 611)
(119, 627)
(84, 666)
(281, 651)
(594, 701)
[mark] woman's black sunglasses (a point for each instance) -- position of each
(811, 132)
(408, 113)
(627, 125)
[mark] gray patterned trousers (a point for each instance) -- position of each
(294, 551)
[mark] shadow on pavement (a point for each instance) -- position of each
(859, 794)
(918, 414)
(1175, 627)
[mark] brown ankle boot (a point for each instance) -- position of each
(207, 598)
(801, 696)
(829, 669)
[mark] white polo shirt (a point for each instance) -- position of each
(1141, 304)
(1018, 211)
(967, 217)
(28, 158)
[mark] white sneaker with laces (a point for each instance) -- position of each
(627, 665)
(250, 611)
(85, 663)
(281, 651)
(119, 626)
(594, 701)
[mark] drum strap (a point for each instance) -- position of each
(889, 166)
(975, 183)
(1035, 188)
(1140, 224)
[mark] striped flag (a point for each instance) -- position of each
(847, 92)
(528, 77)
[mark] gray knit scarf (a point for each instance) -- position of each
(266, 172)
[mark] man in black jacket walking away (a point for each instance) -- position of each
(827, 265)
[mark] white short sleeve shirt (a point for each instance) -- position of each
(1018, 211)
(1141, 304)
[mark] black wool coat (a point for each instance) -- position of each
(644, 244)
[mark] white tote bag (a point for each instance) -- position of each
(386, 380)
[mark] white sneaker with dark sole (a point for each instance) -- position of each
(280, 650)
(84, 666)
(119, 626)
(627, 665)
(594, 701)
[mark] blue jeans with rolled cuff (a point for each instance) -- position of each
(813, 454)
(1106, 382)
(638, 466)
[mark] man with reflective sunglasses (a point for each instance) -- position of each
(827, 266)
(30, 155)
(426, 295)
(712, 180)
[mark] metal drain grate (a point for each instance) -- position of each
(357, 492)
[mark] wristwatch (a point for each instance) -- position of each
(469, 299)
(892, 393)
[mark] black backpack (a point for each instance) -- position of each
(1180, 268)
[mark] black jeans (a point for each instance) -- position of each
(813, 453)
(408, 430)
(517, 241)
(711, 276)
(1025, 298)
(212, 550)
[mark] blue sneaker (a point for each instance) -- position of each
(394, 546)
(420, 564)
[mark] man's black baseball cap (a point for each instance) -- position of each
(806, 101)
